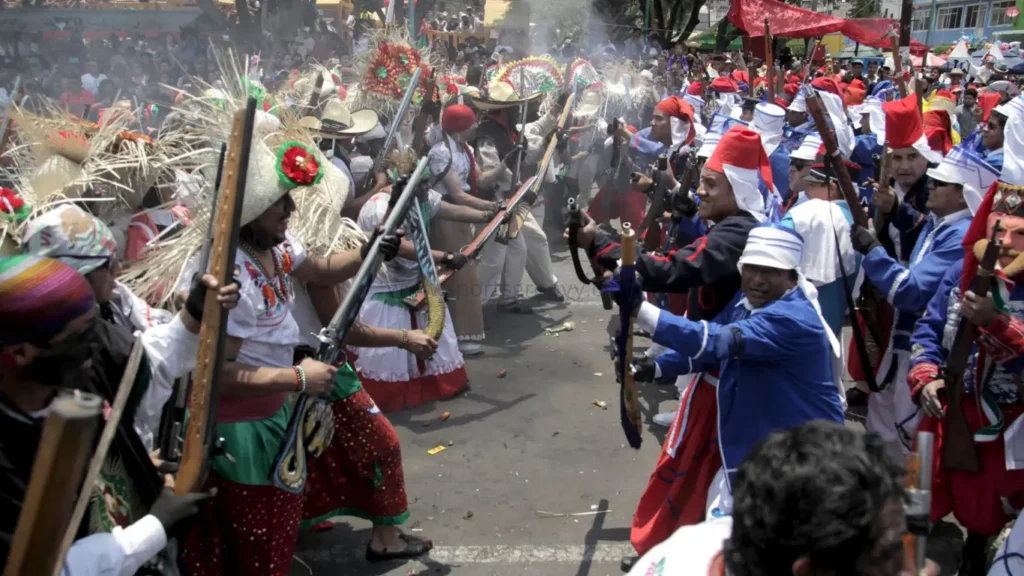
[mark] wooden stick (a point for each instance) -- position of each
(56, 475)
(769, 60)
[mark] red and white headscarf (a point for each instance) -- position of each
(741, 157)
(681, 113)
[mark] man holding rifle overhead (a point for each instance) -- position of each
(985, 500)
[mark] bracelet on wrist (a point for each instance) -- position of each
(300, 379)
(405, 339)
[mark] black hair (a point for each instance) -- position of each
(999, 116)
(971, 92)
(817, 492)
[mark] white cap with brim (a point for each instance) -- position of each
(720, 124)
(968, 169)
(808, 149)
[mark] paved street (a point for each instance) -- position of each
(517, 448)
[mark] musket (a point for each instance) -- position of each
(810, 59)
(314, 96)
(918, 483)
(200, 434)
(522, 126)
(575, 222)
(629, 405)
(897, 66)
(472, 250)
(769, 60)
(958, 449)
(174, 419)
(311, 425)
(403, 107)
(99, 456)
(649, 230)
(64, 447)
(881, 220)
(516, 223)
(428, 275)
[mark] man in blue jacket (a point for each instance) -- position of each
(777, 361)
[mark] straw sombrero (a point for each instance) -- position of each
(337, 121)
(502, 95)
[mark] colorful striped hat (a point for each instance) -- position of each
(39, 297)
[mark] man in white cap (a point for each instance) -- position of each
(800, 162)
(769, 121)
(955, 185)
(777, 367)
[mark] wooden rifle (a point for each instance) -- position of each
(428, 274)
(100, 454)
(575, 222)
(418, 300)
(403, 107)
(312, 423)
(769, 61)
(516, 223)
(918, 483)
(522, 128)
(174, 411)
(200, 434)
(629, 405)
(816, 108)
(897, 66)
(47, 511)
(649, 229)
(958, 449)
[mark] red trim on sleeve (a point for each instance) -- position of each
(698, 246)
(1003, 338)
(607, 249)
(919, 376)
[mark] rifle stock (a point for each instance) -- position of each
(199, 439)
(575, 222)
(958, 449)
(649, 230)
(630, 416)
(60, 461)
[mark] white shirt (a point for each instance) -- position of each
(92, 83)
(690, 551)
(441, 159)
(121, 552)
(399, 273)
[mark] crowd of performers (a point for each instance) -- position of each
(749, 276)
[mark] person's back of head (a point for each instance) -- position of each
(817, 499)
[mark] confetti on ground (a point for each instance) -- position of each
(445, 416)
(435, 450)
(502, 373)
(601, 404)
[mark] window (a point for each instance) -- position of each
(999, 17)
(922, 20)
(975, 17)
(949, 18)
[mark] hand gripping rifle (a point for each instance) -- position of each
(471, 250)
(816, 108)
(518, 216)
(629, 405)
(403, 107)
(649, 229)
(312, 424)
(958, 449)
(200, 434)
(60, 461)
(575, 222)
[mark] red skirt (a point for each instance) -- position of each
(245, 530)
(976, 499)
(628, 207)
(677, 491)
(360, 474)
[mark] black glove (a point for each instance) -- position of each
(455, 261)
(563, 141)
(529, 197)
(196, 301)
(683, 203)
(389, 244)
(863, 240)
(644, 370)
(170, 509)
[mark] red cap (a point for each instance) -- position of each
(724, 85)
(695, 89)
(457, 118)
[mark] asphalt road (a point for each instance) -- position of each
(524, 447)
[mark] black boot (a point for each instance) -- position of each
(972, 559)
(627, 562)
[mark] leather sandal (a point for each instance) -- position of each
(414, 549)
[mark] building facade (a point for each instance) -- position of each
(946, 21)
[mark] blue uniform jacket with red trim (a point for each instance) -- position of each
(775, 366)
(708, 264)
(909, 288)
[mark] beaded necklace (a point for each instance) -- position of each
(281, 280)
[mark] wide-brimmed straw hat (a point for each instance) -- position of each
(502, 95)
(337, 121)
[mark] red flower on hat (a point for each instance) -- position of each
(10, 202)
(452, 89)
(297, 165)
(342, 93)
